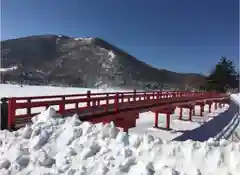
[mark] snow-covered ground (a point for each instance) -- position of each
(68, 146)
(7, 90)
(178, 127)
(8, 69)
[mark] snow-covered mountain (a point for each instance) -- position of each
(85, 62)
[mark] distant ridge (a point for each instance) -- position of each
(84, 62)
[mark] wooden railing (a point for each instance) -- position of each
(79, 102)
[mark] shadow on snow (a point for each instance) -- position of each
(213, 127)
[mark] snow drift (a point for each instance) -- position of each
(53, 145)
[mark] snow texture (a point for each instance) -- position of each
(53, 145)
(8, 69)
(67, 146)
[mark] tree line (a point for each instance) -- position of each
(223, 78)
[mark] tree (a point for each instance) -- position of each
(223, 77)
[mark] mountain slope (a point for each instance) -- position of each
(85, 62)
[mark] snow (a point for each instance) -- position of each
(86, 40)
(178, 127)
(55, 145)
(8, 90)
(8, 69)
(68, 146)
(111, 55)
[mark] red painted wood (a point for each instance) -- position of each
(162, 101)
(209, 108)
(215, 105)
(181, 112)
(156, 119)
(194, 111)
(190, 114)
(201, 110)
(11, 112)
(168, 121)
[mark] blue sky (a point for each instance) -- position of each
(179, 35)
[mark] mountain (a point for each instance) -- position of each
(83, 62)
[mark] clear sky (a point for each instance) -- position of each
(179, 35)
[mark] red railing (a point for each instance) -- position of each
(80, 102)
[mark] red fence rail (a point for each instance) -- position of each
(80, 102)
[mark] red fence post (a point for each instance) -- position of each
(107, 102)
(168, 120)
(194, 111)
(93, 102)
(11, 113)
(156, 120)
(88, 98)
(209, 107)
(215, 105)
(62, 106)
(180, 114)
(166, 94)
(201, 109)
(134, 95)
(76, 105)
(116, 102)
(190, 113)
(174, 95)
(29, 108)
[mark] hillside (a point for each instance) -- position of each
(83, 62)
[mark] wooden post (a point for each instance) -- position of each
(116, 107)
(156, 120)
(194, 111)
(88, 98)
(201, 109)
(62, 106)
(168, 120)
(158, 95)
(4, 114)
(190, 113)
(134, 95)
(11, 113)
(107, 99)
(209, 107)
(29, 108)
(181, 113)
(94, 103)
(107, 102)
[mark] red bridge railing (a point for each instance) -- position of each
(79, 102)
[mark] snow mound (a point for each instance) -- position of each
(54, 145)
(8, 69)
(236, 98)
(85, 40)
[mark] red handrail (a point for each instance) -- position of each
(91, 100)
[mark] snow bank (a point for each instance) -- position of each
(236, 98)
(53, 145)
(9, 90)
(8, 69)
(235, 134)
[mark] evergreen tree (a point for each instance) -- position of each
(222, 77)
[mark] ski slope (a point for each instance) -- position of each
(68, 146)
